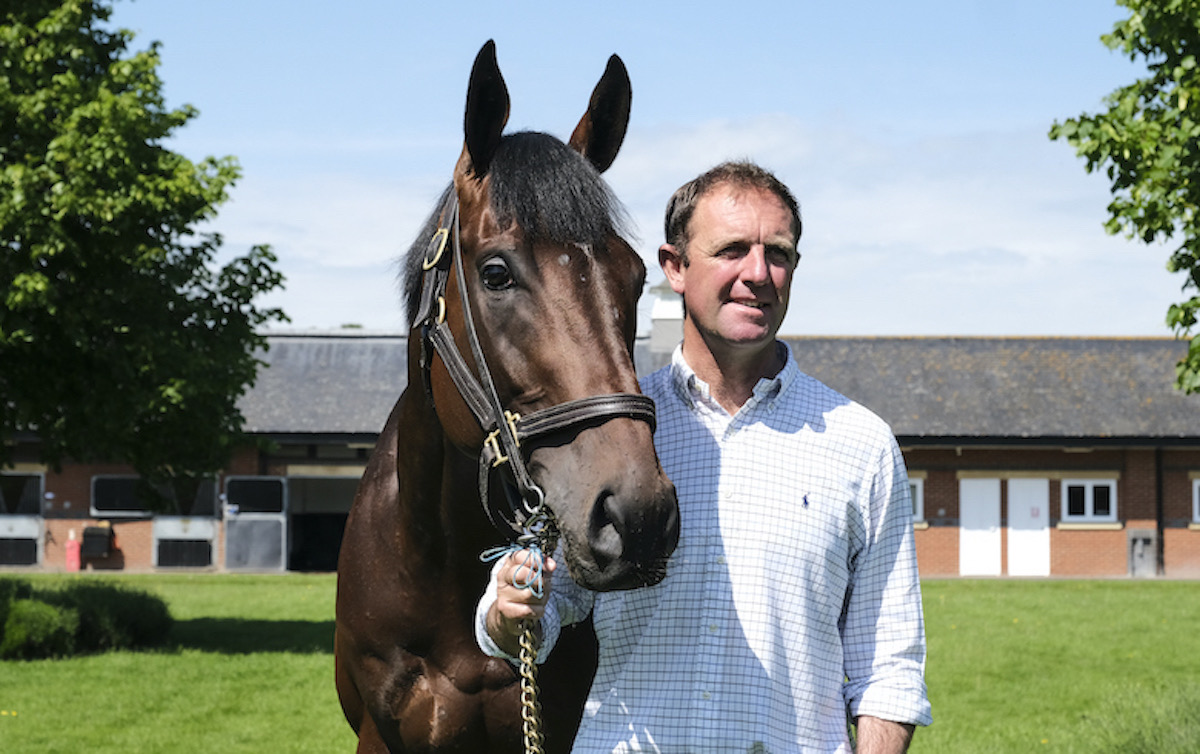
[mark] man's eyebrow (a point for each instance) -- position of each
(740, 242)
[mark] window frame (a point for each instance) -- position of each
(1196, 501)
(916, 489)
(1089, 515)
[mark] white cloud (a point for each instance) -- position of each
(984, 233)
(990, 233)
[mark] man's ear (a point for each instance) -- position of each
(672, 262)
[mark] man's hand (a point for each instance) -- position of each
(514, 604)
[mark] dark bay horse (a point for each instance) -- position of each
(524, 261)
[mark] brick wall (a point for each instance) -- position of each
(1088, 553)
(133, 550)
(937, 550)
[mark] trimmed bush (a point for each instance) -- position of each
(113, 617)
(10, 590)
(35, 630)
(95, 616)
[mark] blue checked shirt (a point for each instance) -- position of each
(792, 599)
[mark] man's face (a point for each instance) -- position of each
(740, 257)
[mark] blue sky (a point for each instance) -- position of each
(913, 134)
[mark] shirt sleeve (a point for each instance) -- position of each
(884, 628)
(568, 603)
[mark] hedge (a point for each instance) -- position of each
(81, 617)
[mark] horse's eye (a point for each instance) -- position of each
(495, 275)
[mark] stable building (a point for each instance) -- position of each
(315, 410)
(1027, 457)
(1035, 456)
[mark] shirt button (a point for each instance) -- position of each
(721, 560)
(706, 695)
(712, 628)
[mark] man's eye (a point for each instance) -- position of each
(495, 275)
(782, 256)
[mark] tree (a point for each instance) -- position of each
(120, 338)
(1149, 142)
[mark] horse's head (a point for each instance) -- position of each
(553, 291)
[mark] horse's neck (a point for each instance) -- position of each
(440, 517)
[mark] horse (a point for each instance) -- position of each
(540, 420)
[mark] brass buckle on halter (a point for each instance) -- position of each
(493, 440)
(439, 240)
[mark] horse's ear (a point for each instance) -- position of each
(487, 112)
(601, 130)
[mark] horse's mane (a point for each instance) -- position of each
(548, 189)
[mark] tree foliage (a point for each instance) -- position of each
(1149, 143)
(120, 337)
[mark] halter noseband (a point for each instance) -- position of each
(505, 430)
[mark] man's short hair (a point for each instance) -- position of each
(741, 175)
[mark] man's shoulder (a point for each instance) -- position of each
(810, 396)
(657, 383)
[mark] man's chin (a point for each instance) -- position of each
(746, 338)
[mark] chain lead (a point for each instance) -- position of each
(539, 537)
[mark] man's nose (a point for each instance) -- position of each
(755, 270)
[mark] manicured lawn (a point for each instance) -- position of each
(1014, 666)
(1030, 666)
(250, 670)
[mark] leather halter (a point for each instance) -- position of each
(506, 431)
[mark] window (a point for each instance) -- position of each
(116, 496)
(1196, 500)
(20, 494)
(916, 490)
(126, 497)
(255, 495)
(1089, 500)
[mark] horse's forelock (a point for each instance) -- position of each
(548, 189)
(552, 192)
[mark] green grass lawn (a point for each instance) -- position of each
(1014, 666)
(1061, 666)
(249, 669)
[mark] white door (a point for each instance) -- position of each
(979, 527)
(1028, 527)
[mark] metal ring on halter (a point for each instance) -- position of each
(538, 520)
(439, 238)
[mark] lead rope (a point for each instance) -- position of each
(537, 537)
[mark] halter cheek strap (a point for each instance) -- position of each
(525, 512)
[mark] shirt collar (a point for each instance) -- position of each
(694, 390)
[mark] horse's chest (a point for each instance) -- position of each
(464, 701)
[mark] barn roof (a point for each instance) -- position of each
(342, 382)
(1011, 388)
(930, 389)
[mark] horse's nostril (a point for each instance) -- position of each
(606, 530)
(634, 533)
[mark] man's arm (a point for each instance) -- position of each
(515, 605)
(878, 736)
(503, 607)
(883, 631)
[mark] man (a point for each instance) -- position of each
(793, 598)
